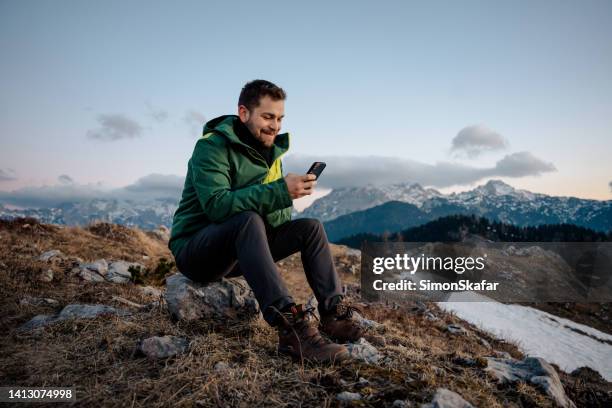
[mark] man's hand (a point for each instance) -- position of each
(300, 186)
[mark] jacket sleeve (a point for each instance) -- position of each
(210, 171)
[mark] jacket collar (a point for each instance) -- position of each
(224, 125)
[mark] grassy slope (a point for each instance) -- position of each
(100, 357)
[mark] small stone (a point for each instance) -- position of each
(400, 404)
(484, 342)
(73, 311)
(445, 398)
(90, 276)
(362, 382)
(48, 255)
(34, 301)
(364, 351)
(430, 316)
(347, 396)
(99, 266)
(150, 291)
(46, 276)
(456, 329)
(221, 366)
(502, 354)
(163, 347)
(119, 271)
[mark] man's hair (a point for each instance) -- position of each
(253, 91)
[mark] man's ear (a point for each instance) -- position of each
(243, 113)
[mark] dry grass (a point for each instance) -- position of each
(100, 357)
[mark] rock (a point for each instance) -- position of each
(364, 351)
(531, 369)
(150, 291)
(484, 342)
(445, 398)
(78, 311)
(362, 382)
(346, 396)
(221, 367)
(46, 276)
(163, 347)
(90, 276)
(228, 298)
(36, 322)
(430, 316)
(99, 266)
(456, 329)
(118, 271)
(74, 311)
(34, 301)
(502, 354)
(49, 255)
(401, 404)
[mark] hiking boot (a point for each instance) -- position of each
(339, 323)
(299, 337)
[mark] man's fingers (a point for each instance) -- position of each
(309, 184)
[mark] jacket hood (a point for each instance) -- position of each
(224, 125)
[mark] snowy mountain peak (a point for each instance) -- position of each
(496, 187)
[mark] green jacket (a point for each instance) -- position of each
(226, 176)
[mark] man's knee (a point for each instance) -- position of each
(250, 219)
(312, 225)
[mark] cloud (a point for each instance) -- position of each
(7, 175)
(195, 120)
(340, 172)
(159, 115)
(361, 171)
(50, 196)
(150, 187)
(472, 141)
(522, 164)
(157, 185)
(115, 127)
(65, 179)
(610, 185)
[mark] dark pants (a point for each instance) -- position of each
(244, 245)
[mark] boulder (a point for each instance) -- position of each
(228, 298)
(445, 398)
(163, 347)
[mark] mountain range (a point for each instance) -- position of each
(374, 209)
(408, 205)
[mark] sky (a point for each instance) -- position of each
(112, 95)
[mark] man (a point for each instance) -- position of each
(234, 218)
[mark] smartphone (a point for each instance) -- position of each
(316, 169)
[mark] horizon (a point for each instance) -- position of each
(113, 96)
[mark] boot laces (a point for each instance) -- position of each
(345, 310)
